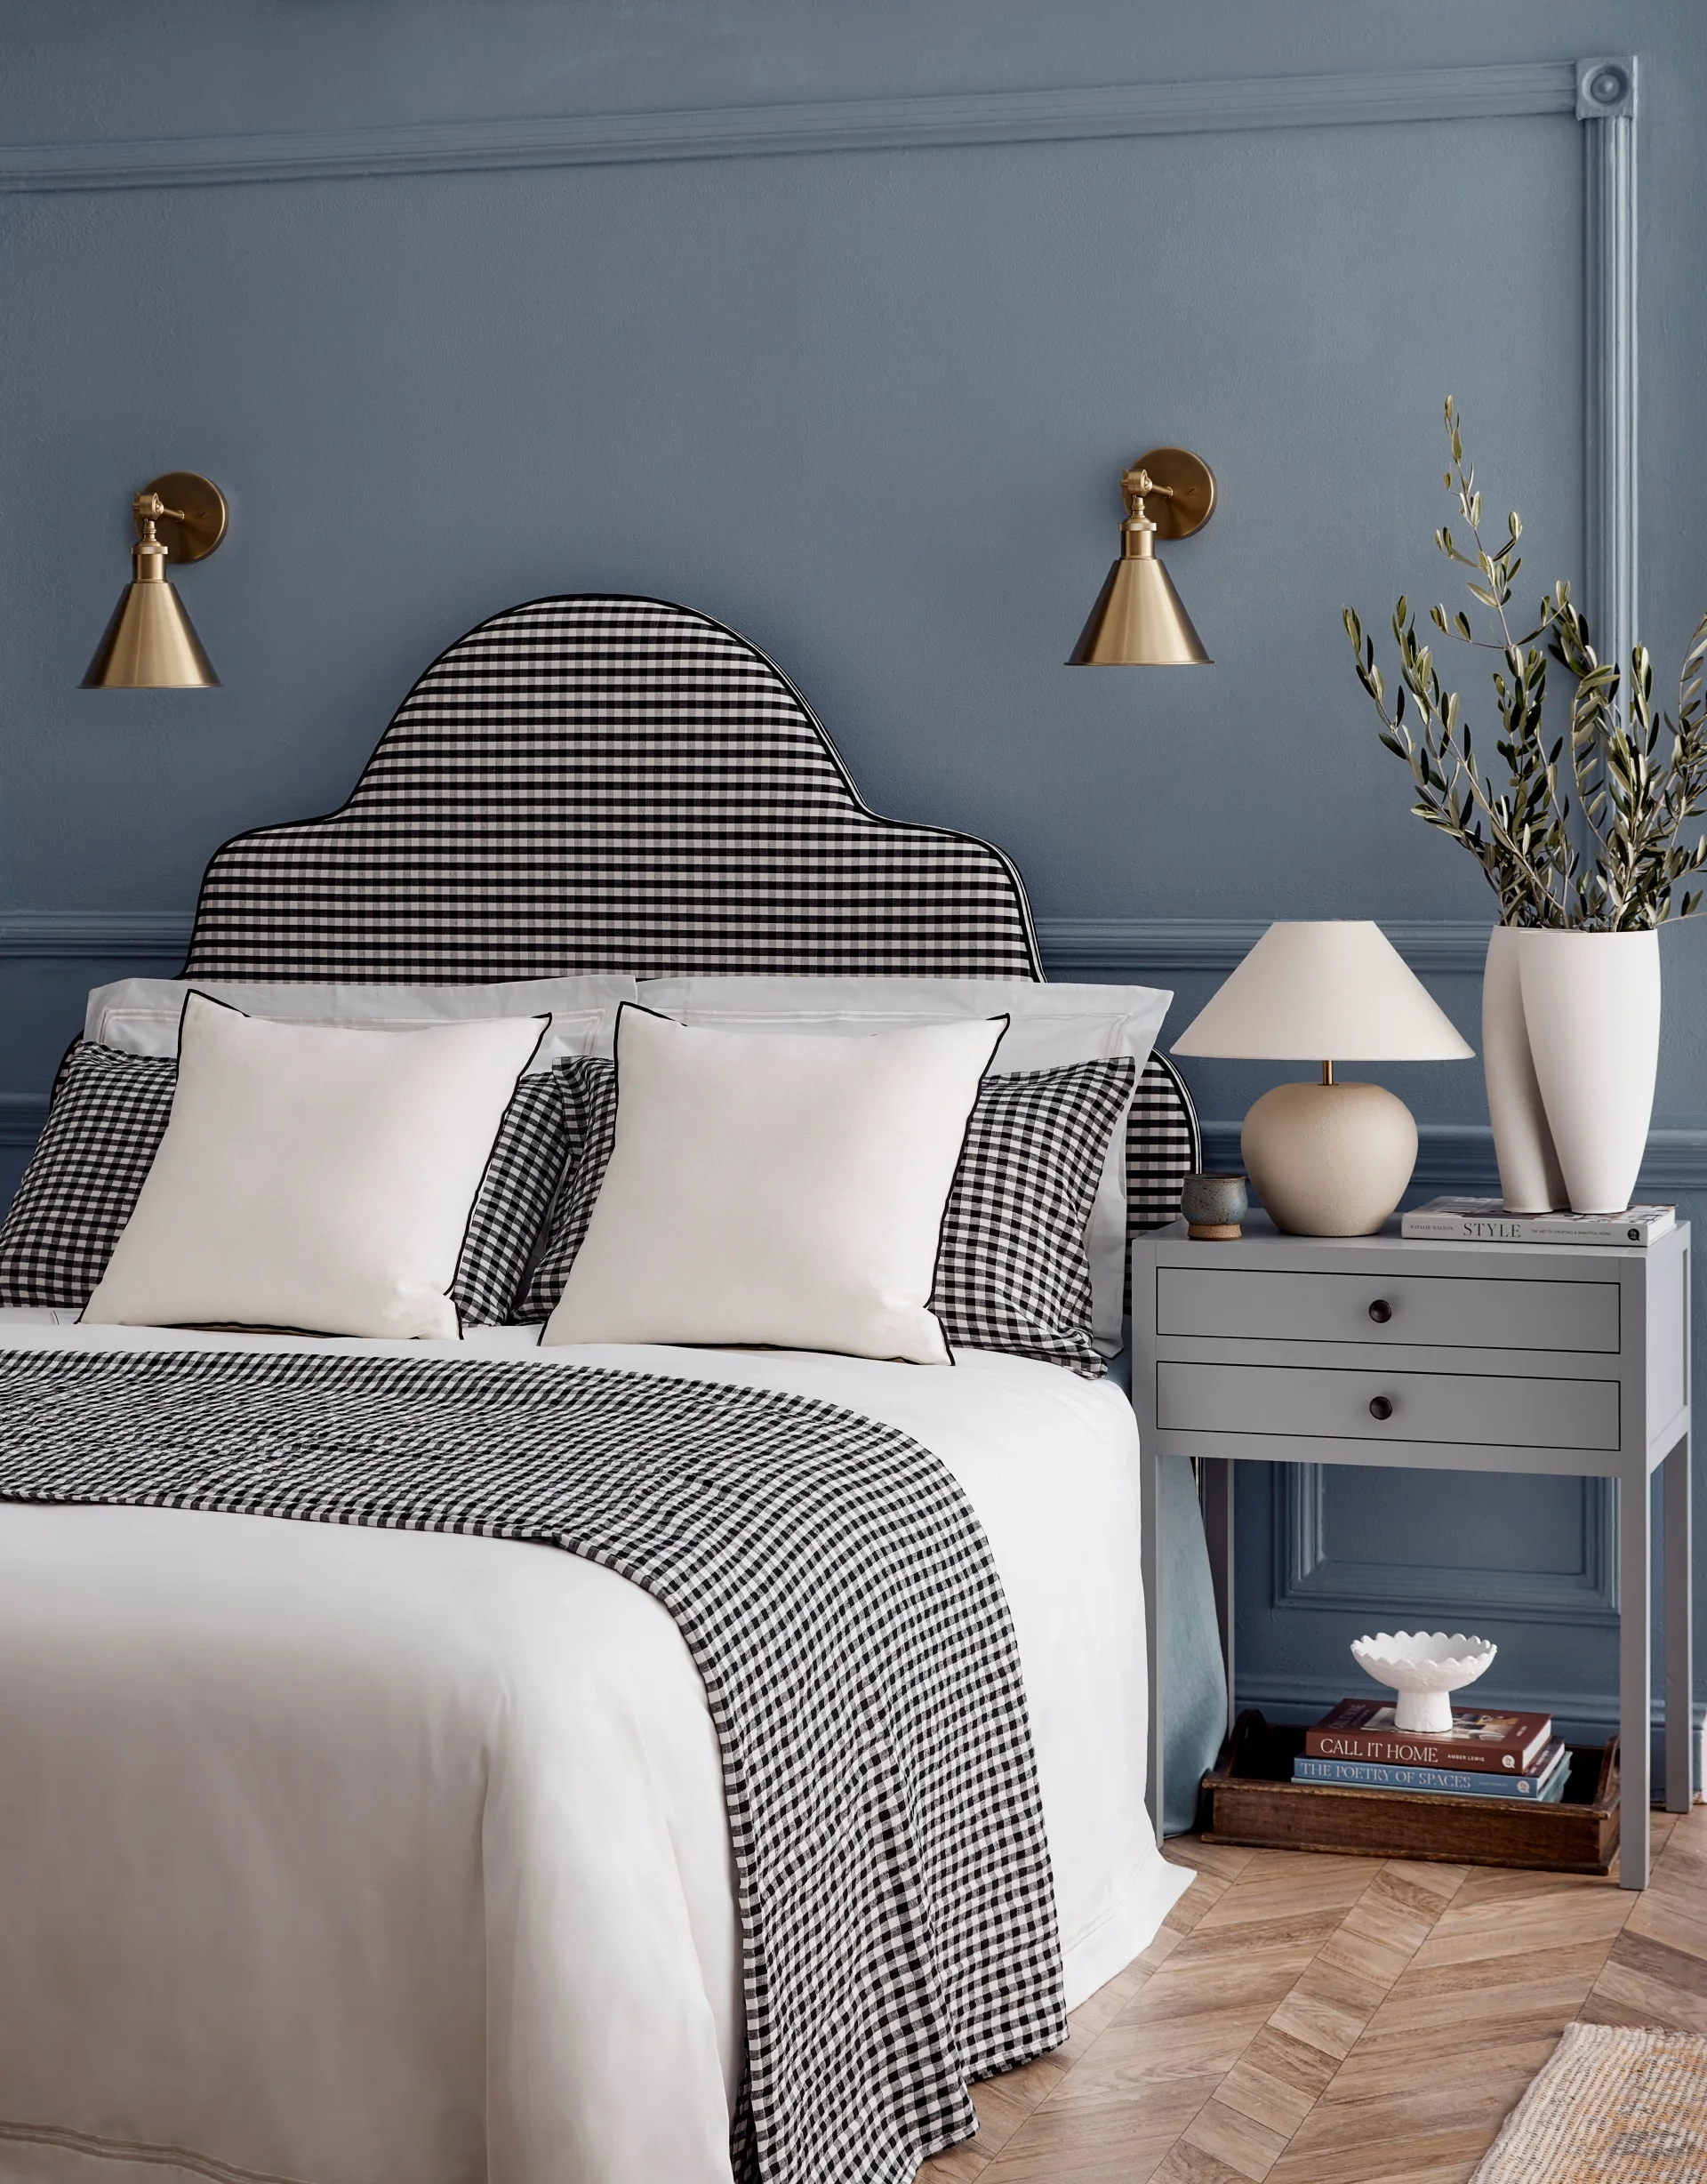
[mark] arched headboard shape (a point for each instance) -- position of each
(602, 783)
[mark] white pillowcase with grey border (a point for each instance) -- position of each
(1048, 1025)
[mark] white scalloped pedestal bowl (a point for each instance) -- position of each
(1424, 1667)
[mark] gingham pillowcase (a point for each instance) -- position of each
(586, 1091)
(109, 1114)
(104, 1125)
(514, 1196)
(1011, 1271)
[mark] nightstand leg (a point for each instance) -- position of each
(1635, 1677)
(1149, 1488)
(1680, 1636)
(1218, 1529)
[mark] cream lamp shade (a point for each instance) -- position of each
(1331, 1159)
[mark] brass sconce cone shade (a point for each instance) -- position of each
(1139, 619)
(150, 643)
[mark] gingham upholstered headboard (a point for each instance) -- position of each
(600, 784)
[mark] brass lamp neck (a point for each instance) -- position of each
(1328, 1072)
(148, 555)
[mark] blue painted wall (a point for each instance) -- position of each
(870, 408)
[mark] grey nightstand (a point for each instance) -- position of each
(1452, 1357)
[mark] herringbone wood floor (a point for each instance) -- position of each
(1341, 2021)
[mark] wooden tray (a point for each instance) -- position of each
(1251, 1798)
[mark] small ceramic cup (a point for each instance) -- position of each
(1214, 1206)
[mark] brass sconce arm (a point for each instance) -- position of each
(1137, 485)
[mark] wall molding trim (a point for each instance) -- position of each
(94, 935)
(1389, 95)
(1459, 1156)
(1606, 102)
(1125, 945)
(1172, 944)
(21, 1117)
(1308, 1577)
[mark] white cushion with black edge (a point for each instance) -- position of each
(314, 1177)
(766, 1188)
(1012, 1269)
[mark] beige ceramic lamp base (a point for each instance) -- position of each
(1329, 1159)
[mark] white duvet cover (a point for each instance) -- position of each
(360, 1857)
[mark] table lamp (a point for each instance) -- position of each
(1330, 1159)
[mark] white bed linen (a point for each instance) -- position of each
(349, 1856)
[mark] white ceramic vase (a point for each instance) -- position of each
(1530, 1178)
(1592, 1009)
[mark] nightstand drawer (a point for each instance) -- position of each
(1444, 1311)
(1475, 1410)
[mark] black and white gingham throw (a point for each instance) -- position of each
(109, 1114)
(1011, 1272)
(838, 1597)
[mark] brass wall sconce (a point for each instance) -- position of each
(150, 643)
(1139, 620)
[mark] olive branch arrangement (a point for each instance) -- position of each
(1617, 869)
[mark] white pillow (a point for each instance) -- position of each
(140, 1015)
(766, 1188)
(314, 1177)
(1051, 1025)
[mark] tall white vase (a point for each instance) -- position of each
(1530, 1178)
(1591, 1006)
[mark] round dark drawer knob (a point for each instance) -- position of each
(1381, 1312)
(1381, 1406)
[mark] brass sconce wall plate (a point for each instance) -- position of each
(191, 534)
(1187, 499)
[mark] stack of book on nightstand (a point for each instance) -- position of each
(1485, 1753)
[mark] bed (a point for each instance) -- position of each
(336, 1852)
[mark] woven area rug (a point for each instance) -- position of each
(1614, 2106)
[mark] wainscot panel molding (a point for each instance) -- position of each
(818, 125)
(21, 1117)
(94, 935)
(1307, 1576)
(1147, 944)
(1132, 945)
(1606, 96)
(1459, 1156)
